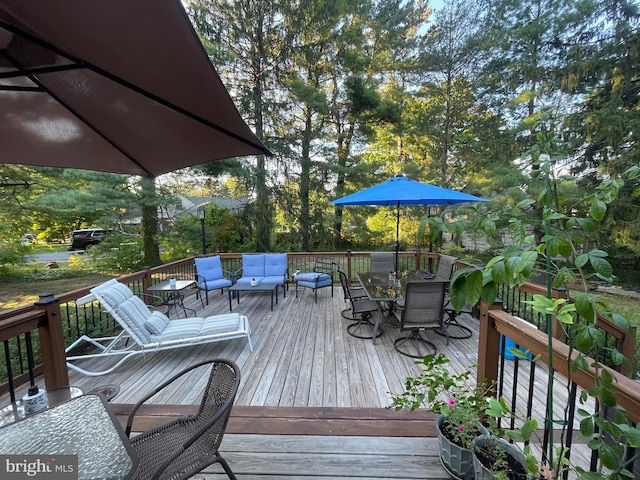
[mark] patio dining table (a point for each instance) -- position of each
(391, 289)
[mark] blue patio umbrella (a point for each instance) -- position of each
(400, 190)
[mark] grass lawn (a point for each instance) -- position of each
(50, 248)
(19, 293)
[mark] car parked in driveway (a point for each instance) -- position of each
(86, 238)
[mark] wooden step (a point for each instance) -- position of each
(329, 421)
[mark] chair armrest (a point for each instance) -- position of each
(230, 275)
(200, 278)
(158, 389)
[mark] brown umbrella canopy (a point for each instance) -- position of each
(120, 86)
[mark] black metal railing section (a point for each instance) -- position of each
(524, 386)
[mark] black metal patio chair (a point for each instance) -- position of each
(361, 311)
(183, 447)
(320, 277)
(423, 310)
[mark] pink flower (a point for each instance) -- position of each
(451, 403)
(460, 430)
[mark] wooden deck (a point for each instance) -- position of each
(312, 400)
(303, 357)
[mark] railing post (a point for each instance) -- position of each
(146, 283)
(488, 344)
(349, 266)
(54, 359)
(628, 349)
(556, 328)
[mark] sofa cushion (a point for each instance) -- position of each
(275, 265)
(247, 280)
(252, 266)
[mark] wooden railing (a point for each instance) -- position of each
(35, 336)
(55, 321)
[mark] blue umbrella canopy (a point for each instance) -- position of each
(400, 190)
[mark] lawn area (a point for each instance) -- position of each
(23, 287)
(50, 248)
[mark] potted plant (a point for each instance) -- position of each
(551, 229)
(496, 458)
(459, 405)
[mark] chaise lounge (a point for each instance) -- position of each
(144, 331)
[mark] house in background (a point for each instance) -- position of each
(190, 204)
(167, 214)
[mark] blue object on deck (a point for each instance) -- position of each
(507, 353)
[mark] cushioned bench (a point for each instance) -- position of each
(265, 268)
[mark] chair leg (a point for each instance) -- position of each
(226, 466)
(199, 296)
(417, 340)
(362, 322)
(452, 321)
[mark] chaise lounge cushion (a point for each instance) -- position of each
(156, 323)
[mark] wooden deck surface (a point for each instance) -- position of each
(312, 400)
(303, 357)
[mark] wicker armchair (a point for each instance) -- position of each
(183, 447)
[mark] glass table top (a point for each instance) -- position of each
(388, 287)
(82, 426)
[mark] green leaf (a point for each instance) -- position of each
(598, 209)
(586, 224)
(498, 273)
(601, 266)
(581, 260)
(490, 292)
(633, 437)
(586, 427)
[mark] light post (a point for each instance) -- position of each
(202, 215)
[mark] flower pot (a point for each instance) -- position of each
(456, 460)
(484, 447)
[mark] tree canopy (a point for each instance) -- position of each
(348, 93)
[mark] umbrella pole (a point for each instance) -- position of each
(397, 235)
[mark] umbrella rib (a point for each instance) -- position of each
(25, 72)
(80, 64)
(43, 88)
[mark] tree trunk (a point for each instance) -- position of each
(150, 222)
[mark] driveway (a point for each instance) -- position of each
(53, 256)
